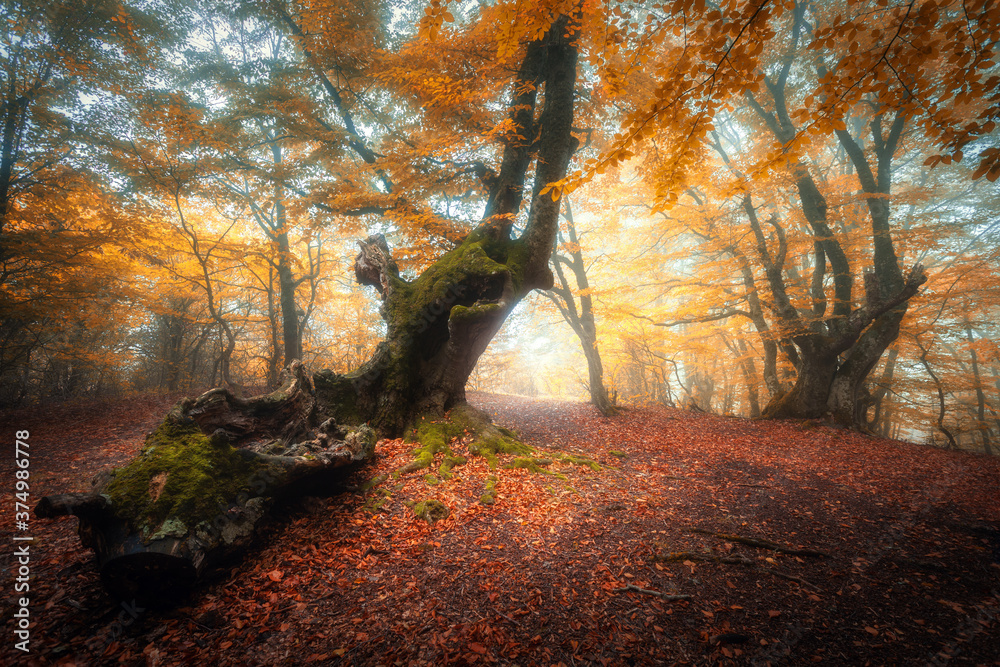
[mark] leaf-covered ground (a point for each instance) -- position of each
(909, 569)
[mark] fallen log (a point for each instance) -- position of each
(202, 487)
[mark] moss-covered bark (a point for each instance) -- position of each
(441, 322)
(202, 485)
(201, 488)
(180, 479)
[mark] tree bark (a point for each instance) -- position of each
(291, 340)
(982, 425)
(880, 420)
(839, 350)
(278, 231)
(749, 369)
(939, 422)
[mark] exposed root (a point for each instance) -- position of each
(762, 544)
(377, 501)
(646, 591)
(490, 494)
(430, 510)
(535, 465)
(681, 556)
(436, 437)
(580, 461)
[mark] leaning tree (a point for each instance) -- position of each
(200, 488)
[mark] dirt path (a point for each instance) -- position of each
(546, 575)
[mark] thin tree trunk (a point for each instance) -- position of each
(286, 278)
(878, 398)
(984, 429)
(750, 377)
(581, 319)
(939, 422)
(275, 348)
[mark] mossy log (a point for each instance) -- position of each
(201, 488)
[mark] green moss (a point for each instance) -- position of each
(181, 478)
(581, 461)
(468, 313)
(377, 501)
(449, 463)
(430, 510)
(338, 397)
(373, 482)
(528, 462)
(433, 437)
(507, 432)
(430, 294)
(618, 454)
(443, 291)
(431, 480)
(517, 257)
(490, 445)
(535, 465)
(490, 493)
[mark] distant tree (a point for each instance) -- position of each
(810, 76)
(61, 275)
(576, 305)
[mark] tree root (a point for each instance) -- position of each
(681, 556)
(762, 544)
(663, 596)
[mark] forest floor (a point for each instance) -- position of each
(547, 574)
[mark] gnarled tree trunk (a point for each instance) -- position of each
(191, 497)
(440, 323)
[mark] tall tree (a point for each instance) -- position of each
(262, 132)
(438, 323)
(813, 74)
(568, 255)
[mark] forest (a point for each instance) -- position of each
(183, 187)
(445, 280)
